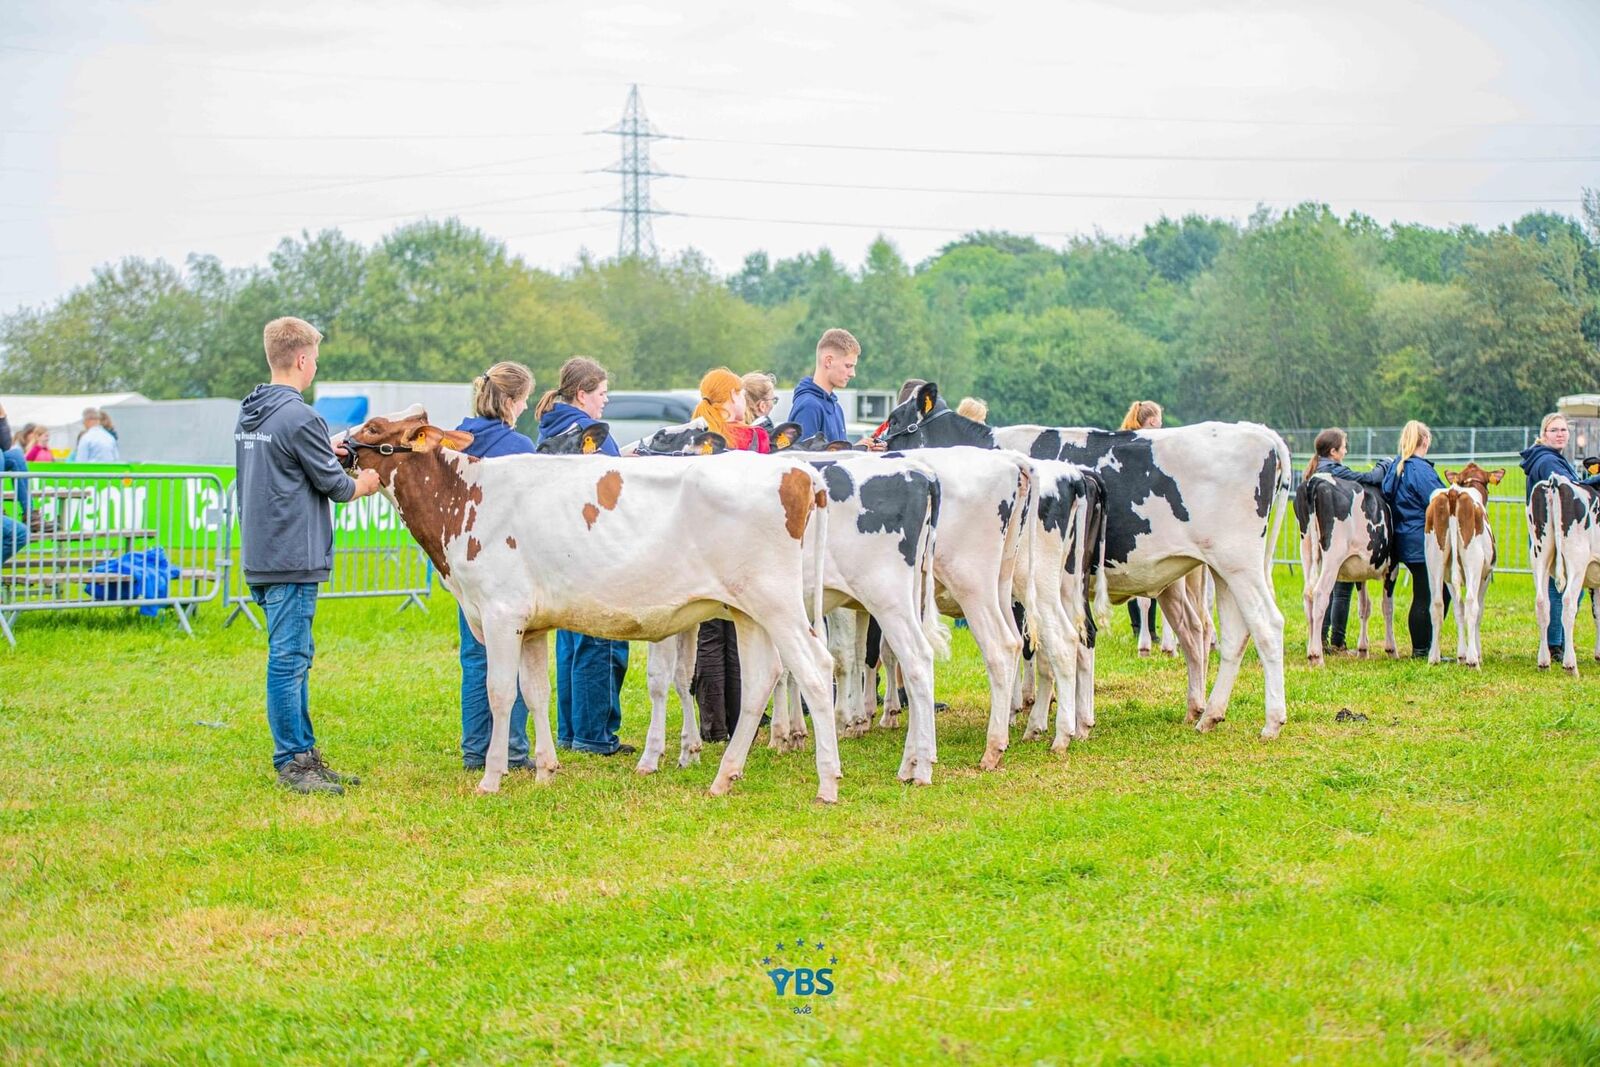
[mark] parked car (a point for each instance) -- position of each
(633, 416)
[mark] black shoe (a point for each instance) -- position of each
(939, 705)
(621, 750)
(329, 773)
(302, 775)
(1558, 652)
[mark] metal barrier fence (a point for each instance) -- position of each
(82, 540)
(373, 556)
(1368, 443)
(1507, 519)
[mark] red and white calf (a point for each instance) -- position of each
(1459, 547)
(1564, 528)
(625, 549)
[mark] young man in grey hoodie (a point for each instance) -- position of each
(287, 477)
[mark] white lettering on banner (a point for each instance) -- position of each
(108, 507)
(369, 514)
(204, 505)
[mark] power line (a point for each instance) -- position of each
(1170, 157)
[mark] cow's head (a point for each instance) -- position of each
(924, 420)
(376, 443)
(785, 436)
(1473, 476)
(575, 441)
(683, 441)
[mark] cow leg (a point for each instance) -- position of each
(661, 667)
(1469, 616)
(1084, 683)
(806, 656)
(891, 687)
(903, 630)
(1001, 647)
(504, 649)
(1183, 620)
(1436, 603)
(1569, 616)
(1541, 608)
(689, 735)
(534, 676)
(861, 708)
(778, 735)
(1231, 637)
(759, 662)
(1594, 616)
(1141, 607)
(1038, 721)
(1252, 604)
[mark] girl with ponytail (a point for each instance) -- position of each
(723, 406)
(1409, 483)
(1331, 446)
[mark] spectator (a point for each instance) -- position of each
(815, 407)
(1331, 445)
(973, 408)
(1540, 460)
(1407, 485)
(12, 459)
(105, 424)
(13, 537)
(95, 444)
(715, 683)
(499, 397)
(760, 396)
(589, 670)
(1143, 612)
(287, 475)
(37, 444)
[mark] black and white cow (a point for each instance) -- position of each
(1564, 528)
(1346, 535)
(1175, 498)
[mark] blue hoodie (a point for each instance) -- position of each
(1407, 491)
(491, 437)
(563, 417)
(817, 411)
(1540, 462)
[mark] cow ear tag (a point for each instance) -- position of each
(927, 403)
(589, 445)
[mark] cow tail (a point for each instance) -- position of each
(1023, 505)
(819, 522)
(1551, 488)
(1280, 499)
(1095, 556)
(1457, 574)
(933, 628)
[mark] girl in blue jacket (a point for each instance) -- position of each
(589, 670)
(1540, 460)
(1407, 486)
(499, 397)
(1331, 445)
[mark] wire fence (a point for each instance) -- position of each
(1507, 520)
(102, 540)
(1456, 443)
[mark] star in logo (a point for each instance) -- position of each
(833, 960)
(819, 946)
(780, 946)
(765, 960)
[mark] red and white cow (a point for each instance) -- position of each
(1174, 498)
(528, 544)
(1459, 547)
(1564, 528)
(1347, 535)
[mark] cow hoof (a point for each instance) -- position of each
(1315, 661)
(688, 759)
(1082, 734)
(1032, 734)
(721, 786)
(1193, 715)
(1572, 670)
(1144, 653)
(889, 722)
(645, 767)
(1207, 723)
(1060, 747)
(488, 784)
(1361, 653)
(1169, 652)
(1270, 730)
(991, 758)
(544, 775)
(827, 791)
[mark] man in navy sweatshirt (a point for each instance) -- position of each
(815, 407)
(287, 478)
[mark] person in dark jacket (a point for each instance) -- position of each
(1331, 445)
(589, 670)
(815, 407)
(1407, 485)
(1143, 612)
(287, 476)
(499, 397)
(1540, 460)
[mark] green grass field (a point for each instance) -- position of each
(1422, 886)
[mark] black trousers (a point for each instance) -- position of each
(1420, 618)
(1336, 620)
(715, 683)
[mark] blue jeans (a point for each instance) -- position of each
(13, 536)
(1552, 634)
(476, 721)
(290, 607)
(11, 460)
(589, 673)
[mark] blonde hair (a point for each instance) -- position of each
(1139, 413)
(840, 341)
(580, 374)
(284, 338)
(496, 391)
(1544, 423)
(1414, 433)
(759, 387)
(716, 389)
(973, 408)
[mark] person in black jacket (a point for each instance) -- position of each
(1331, 446)
(1407, 484)
(287, 475)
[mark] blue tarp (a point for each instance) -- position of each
(149, 573)
(341, 412)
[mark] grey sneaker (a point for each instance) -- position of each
(329, 773)
(302, 775)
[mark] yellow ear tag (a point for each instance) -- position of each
(706, 448)
(927, 403)
(589, 445)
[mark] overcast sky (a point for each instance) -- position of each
(177, 126)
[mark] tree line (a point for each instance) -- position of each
(1297, 318)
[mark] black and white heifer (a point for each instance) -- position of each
(1346, 535)
(1564, 528)
(1175, 498)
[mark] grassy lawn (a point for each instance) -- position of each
(1418, 886)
